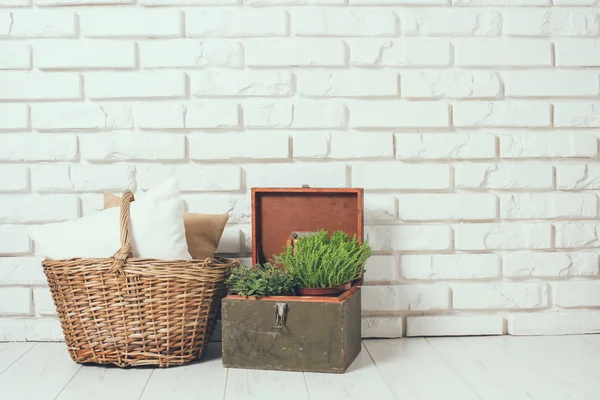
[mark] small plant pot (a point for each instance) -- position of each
(330, 291)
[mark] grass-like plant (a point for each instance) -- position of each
(264, 280)
(321, 261)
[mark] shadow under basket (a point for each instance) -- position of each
(134, 312)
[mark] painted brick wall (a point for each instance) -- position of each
(472, 125)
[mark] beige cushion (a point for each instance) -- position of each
(202, 231)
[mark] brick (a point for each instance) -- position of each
(528, 264)
(192, 177)
(455, 325)
(500, 2)
(504, 176)
(502, 52)
(53, 3)
(399, 53)
(543, 145)
(230, 241)
(239, 146)
(38, 209)
(61, 178)
(433, 146)
(18, 147)
(41, 23)
(14, 116)
(380, 207)
(479, 296)
(380, 269)
(236, 22)
(37, 329)
(136, 146)
(313, 145)
(578, 176)
(343, 22)
(151, 3)
(442, 206)
(293, 2)
(405, 298)
(401, 176)
(577, 115)
(452, 84)
(554, 322)
(577, 52)
(186, 115)
(14, 240)
(551, 84)
(398, 114)
(43, 303)
(131, 85)
(575, 2)
(351, 83)
(15, 56)
(76, 116)
(449, 266)
(503, 236)
(294, 53)
(449, 22)
(501, 114)
(577, 235)
(554, 22)
(131, 22)
(398, 2)
(14, 3)
(190, 53)
(40, 86)
(241, 83)
(89, 54)
(576, 293)
(15, 301)
(22, 271)
(381, 327)
(409, 237)
(304, 115)
(14, 178)
(296, 175)
(91, 203)
(548, 205)
(362, 145)
(237, 206)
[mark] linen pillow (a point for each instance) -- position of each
(202, 231)
(156, 226)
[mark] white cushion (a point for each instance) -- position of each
(156, 227)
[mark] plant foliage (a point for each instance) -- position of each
(265, 280)
(321, 261)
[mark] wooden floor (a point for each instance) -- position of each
(503, 368)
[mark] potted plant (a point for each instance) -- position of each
(264, 280)
(323, 265)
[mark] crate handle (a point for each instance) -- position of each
(280, 314)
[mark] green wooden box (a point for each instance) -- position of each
(295, 333)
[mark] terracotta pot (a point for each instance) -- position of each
(330, 291)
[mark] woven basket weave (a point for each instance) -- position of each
(131, 312)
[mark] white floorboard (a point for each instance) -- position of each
(11, 352)
(265, 385)
(204, 380)
(413, 370)
(360, 381)
(464, 368)
(40, 374)
(494, 373)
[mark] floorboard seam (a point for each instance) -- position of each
(21, 356)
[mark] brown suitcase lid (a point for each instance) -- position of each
(277, 212)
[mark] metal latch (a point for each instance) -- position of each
(295, 237)
(280, 315)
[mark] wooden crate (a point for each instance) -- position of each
(295, 333)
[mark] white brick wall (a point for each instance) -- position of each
(472, 125)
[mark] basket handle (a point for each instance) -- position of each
(124, 252)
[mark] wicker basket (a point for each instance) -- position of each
(133, 312)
